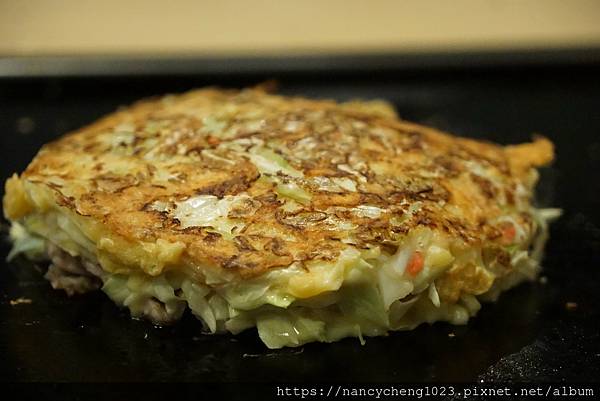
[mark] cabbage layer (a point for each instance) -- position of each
(365, 292)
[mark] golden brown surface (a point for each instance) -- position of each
(345, 157)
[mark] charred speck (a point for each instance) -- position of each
(485, 185)
(242, 244)
(211, 237)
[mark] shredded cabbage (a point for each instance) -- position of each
(433, 295)
(293, 191)
(195, 295)
(334, 184)
(542, 218)
(209, 211)
(24, 242)
(290, 329)
(362, 293)
(135, 291)
(269, 162)
(322, 277)
(255, 294)
(391, 286)
(363, 304)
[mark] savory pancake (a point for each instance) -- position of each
(309, 219)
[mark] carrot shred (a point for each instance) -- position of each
(509, 233)
(415, 263)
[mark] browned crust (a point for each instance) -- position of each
(399, 163)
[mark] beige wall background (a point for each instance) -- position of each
(31, 27)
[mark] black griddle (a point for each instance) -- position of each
(529, 335)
